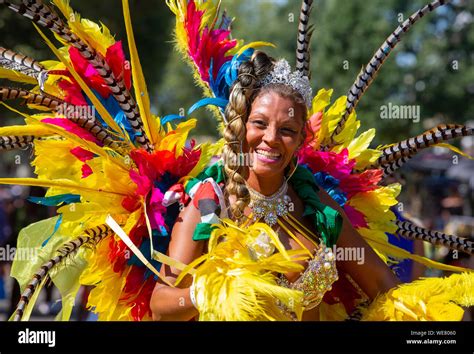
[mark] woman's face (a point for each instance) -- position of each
(274, 133)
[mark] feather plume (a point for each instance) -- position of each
(428, 299)
(395, 155)
(44, 101)
(45, 16)
(141, 91)
(65, 184)
(410, 231)
(15, 142)
(16, 76)
(24, 130)
(48, 102)
(303, 54)
(367, 75)
(378, 241)
(211, 52)
(20, 63)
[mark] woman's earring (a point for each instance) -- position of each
(294, 163)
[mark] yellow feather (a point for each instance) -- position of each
(454, 149)
(331, 117)
(361, 143)
(208, 150)
(71, 186)
(366, 158)
(188, 269)
(384, 246)
(89, 31)
(428, 299)
(16, 76)
(139, 85)
(108, 285)
(347, 134)
(321, 100)
(157, 131)
(375, 205)
(54, 160)
(335, 312)
(255, 45)
(98, 37)
(210, 12)
(22, 130)
(14, 110)
(178, 7)
(63, 6)
(83, 143)
(176, 139)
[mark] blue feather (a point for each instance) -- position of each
(170, 117)
(221, 84)
(56, 200)
(331, 185)
(56, 227)
(112, 106)
(219, 102)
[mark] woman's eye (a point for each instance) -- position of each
(289, 131)
(259, 123)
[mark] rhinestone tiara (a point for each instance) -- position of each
(281, 74)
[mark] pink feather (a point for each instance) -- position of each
(115, 57)
(71, 127)
(82, 154)
(208, 46)
(86, 170)
(356, 218)
(337, 165)
(362, 182)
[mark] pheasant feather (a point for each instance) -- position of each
(367, 75)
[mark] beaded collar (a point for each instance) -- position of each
(269, 208)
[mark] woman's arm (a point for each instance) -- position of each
(174, 304)
(370, 272)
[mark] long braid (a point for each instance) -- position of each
(241, 96)
(234, 135)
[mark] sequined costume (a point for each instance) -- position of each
(120, 175)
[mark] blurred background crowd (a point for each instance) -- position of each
(433, 68)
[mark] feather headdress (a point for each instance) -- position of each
(110, 164)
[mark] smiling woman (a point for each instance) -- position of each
(159, 232)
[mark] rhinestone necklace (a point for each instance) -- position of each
(271, 207)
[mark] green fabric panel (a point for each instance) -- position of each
(327, 220)
(202, 231)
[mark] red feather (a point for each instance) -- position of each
(343, 291)
(362, 182)
(209, 46)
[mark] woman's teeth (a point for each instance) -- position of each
(268, 154)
